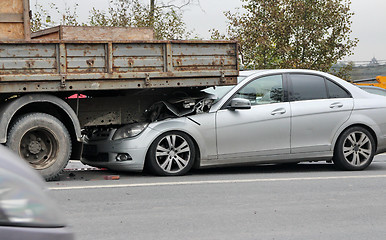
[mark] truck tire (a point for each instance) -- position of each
(43, 141)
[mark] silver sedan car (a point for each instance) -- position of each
(271, 116)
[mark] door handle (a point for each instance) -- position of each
(278, 111)
(336, 105)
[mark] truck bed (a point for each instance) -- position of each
(76, 66)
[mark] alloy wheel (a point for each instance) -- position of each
(357, 148)
(173, 153)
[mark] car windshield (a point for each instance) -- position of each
(221, 91)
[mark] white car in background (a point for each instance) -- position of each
(271, 116)
(373, 90)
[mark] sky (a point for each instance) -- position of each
(368, 21)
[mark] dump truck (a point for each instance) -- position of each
(59, 84)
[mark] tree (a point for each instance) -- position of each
(343, 70)
(41, 18)
(165, 18)
(312, 34)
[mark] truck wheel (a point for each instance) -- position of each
(43, 141)
(354, 149)
(171, 154)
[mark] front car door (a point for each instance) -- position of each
(319, 107)
(245, 134)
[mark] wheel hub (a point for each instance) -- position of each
(172, 153)
(34, 147)
(38, 147)
(356, 147)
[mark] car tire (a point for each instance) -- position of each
(43, 141)
(354, 149)
(171, 154)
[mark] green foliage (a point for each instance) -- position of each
(312, 34)
(166, 20)
(41, 18)
(343, 70)
(38, 18)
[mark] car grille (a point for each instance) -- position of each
(90, 150)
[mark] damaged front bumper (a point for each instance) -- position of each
(125, 154)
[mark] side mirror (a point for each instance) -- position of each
(240, 103)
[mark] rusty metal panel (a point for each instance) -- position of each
(88, 33)
(85, 62)
(114, 110)
(27, 50)
(86, 58)
(137, 64)
(84, 49)
(111, 110)
(138, 57)
(203, 49)
(109, 57)
(127, 76)
(52, 86)
(204, 61)
(27, 58)
(203, 56)
(137, 49)
(27, 63)
(78, 66)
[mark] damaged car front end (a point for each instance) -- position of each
(109, 147)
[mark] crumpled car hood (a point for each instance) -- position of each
(179, 107)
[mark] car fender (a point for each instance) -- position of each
(359, 119)
(188, 126)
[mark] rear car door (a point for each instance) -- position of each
(319, 107)
(261, 130)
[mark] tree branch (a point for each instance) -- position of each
(171, 5)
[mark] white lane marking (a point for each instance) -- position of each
(211, 182)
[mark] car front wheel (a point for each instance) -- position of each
(354, 149)
(171, 154)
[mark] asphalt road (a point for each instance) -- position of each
(306, 201)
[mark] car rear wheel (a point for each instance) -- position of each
(171, 154)
(354, 149)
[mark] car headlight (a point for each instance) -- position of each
(130, 130)
(23, 203)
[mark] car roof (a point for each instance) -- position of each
(246, 73)
(249, 75)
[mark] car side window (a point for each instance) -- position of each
(264, 90)
(336, 91)
(307, 87)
